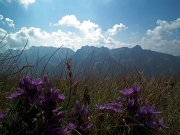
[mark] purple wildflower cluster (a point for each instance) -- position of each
(36, 109)
(129, 112)
(80, 118)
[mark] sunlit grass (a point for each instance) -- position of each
(102, 88)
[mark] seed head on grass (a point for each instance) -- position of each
(86, 98)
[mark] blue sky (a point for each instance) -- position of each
(153, 24)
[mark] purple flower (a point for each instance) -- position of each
(155, 124)
(89, 127)
(120, 100)
(32, 100)
(130, 104)
(15, 120)
(117, 110)
(54, 92)
(136, 89)
(78, 107)
(14, 95)
(56, 110)
(110, 106)
(46, 80)
(61, 97)
(79, 118)
(61, 114)
(101, 107)
(31, 84)
(150, 123)
(73, 114)
(2, 116)
(84, 111)
(56, 131)
(127, 92)
(71, 126)
(160, 123)
(147, 110)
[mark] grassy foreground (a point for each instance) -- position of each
(101, 103)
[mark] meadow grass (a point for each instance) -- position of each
(96, 88)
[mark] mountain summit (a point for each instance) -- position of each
(103, 59)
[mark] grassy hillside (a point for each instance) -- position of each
(99, 103)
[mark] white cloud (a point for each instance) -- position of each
(1, 17)
(2, 35)
(86, 33)
(164, 45)
(69, 20)
(89, 31)
(25, 3)
(17, 40)
(162, 38)
(9, 22)
(163, 29)
(116, 28)
(2, 32)
(72, 40)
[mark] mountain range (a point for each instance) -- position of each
(102, 59)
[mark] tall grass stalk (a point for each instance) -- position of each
(100, 88)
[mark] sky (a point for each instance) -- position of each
(152, 24)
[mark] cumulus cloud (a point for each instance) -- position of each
(162, 38)
(2, 44)
(163, 29)
(116, 28)
(163, 45)
(69, 20)
(86, 33)
(17, 40)
(90, 32)
(9, 22)
(25, 3)
(1, 17)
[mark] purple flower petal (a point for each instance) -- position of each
(136, 89)
(89, 127)
(130, 104)
(2, 116)
(84, 111)
(78, 107)
(61, 97)
(71, 126)
(14, 95)
(101, 107)
(127, 92)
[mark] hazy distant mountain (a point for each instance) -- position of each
(149, 61)
(146, 61)
(105, 60)
(41, 55)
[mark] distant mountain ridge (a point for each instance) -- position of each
(146, 61)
